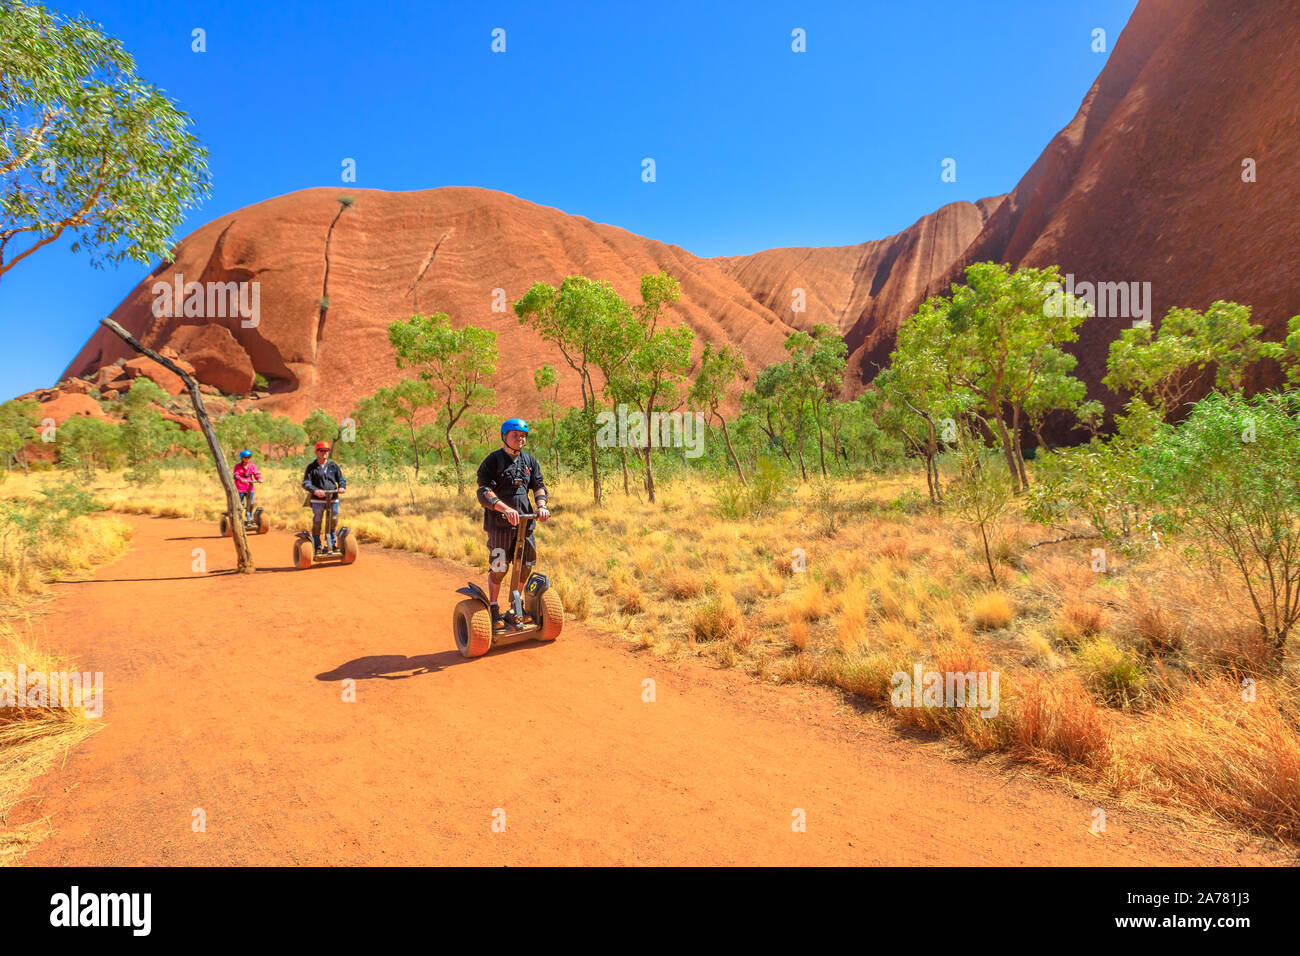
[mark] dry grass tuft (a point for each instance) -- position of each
(1242, 761)
(31, 738)
(992, 611)
(1057, 722)
(720, 619)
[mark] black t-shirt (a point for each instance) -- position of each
(510, 479)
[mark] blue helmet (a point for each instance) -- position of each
(514, 425)
(245, 454)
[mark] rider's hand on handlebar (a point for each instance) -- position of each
(511, 515)
(543, 513)
(318, 493)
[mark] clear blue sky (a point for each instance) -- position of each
(755, 146)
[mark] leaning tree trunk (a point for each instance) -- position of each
(234, 511)
(1021, 475)
(455, 457)
(1008, 452)
(730, 451)
(821, 446)
(415, 447)
(649, 474)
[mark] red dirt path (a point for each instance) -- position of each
(224, 693)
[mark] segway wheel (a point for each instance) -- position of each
(263, 522)
(349, 548)
(471, 622)
(226, 530)
(302, 554)
(552, 616)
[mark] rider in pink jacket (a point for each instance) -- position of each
(245, 474)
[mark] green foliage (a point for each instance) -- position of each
(1000, 341)
(720, 369)
(27, 522)
(1291, 357)
(405, 402)
(790, 399)
(320, 426)
(909, 502)
(1114, 673)
(374, 426)
(981, 494)
(456, 364)
(594, 329)
(88, 148)
(146, 436)
(18, 421)
(766, 492)
(1229, 480)
(1096, 483)
(1163, 366)
(84, 443)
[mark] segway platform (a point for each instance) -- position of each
(254, 520)
(534, 612)
(344, 549)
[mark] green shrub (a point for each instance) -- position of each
(1112, 672)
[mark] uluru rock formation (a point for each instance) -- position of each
(331, 276)
(862, 291)
(1148, 182)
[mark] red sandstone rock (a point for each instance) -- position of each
(380, 271)
(1145, 183)
(165, 378)
(78, 385)
(189, 424)
(216, 357)
(866, 287)
(63, 405)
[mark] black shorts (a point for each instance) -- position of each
(501, 548)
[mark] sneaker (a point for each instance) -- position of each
(496, 616)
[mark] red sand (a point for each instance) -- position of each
(224, 692)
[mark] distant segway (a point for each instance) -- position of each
(254, 520)
(535, 612)
(337, 545)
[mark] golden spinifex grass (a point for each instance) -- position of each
(27, 567)
(1128, 679)
(32, 738)
(37, 547)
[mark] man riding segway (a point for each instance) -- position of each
(324, 482)
(534, 612)
(504, 479)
